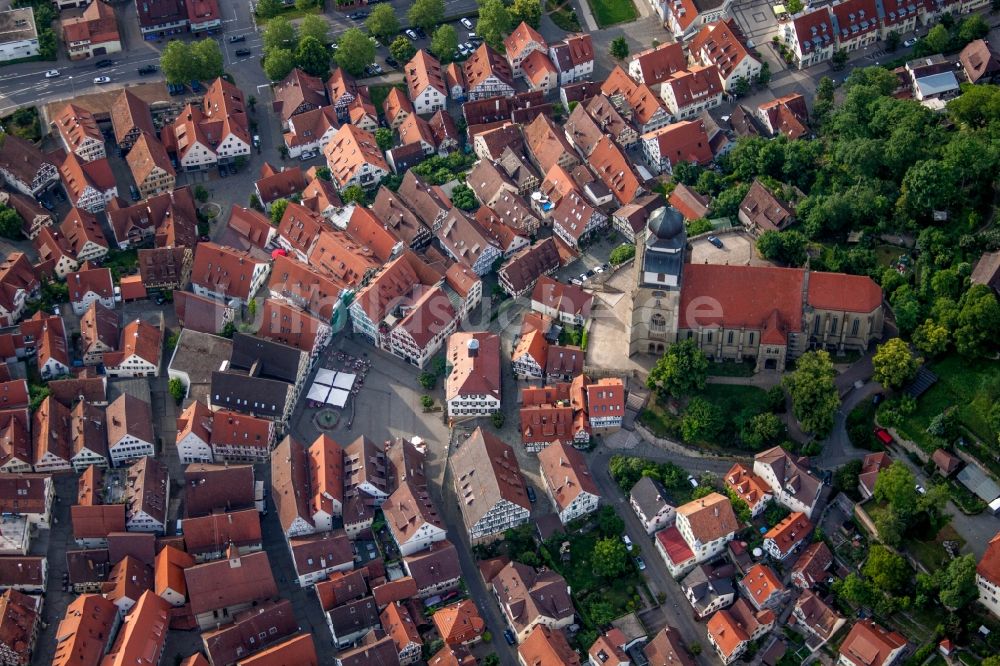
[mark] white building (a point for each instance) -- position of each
(489, 487)
(473, 386)
(707, 525)
(412, 518)
(19, 35)
(794, 486)
(568, 481)
(988, 576)
(130, 429)
(648, 500)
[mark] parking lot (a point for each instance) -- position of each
(737, 250)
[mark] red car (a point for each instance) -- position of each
(883, 436)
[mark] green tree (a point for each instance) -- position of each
(619, 48)
(823, 103)
(382, 23)
(252, 308)
(383, 135)
(890, 527)
(787, 247)
(702, 421)
(402, 49)
(838, 60)
(304, 5)
(845, 479)
(894, 364)
(268, 8)
(176, 63)
(887, 571)
(814, 394)
(498, 419)
(680, 371)
(938, 39)
(609, 558)
(279, 34)
(312, 57)
(494, 22)
(316, 26)
(201, 193)
(353, 194)
(208, 58)
(727, 203)
(323, 173)
(958, 582)
(10, 223)
(892, 41)
(621, 254)
(355, 52)
(978, 321)
(896, 487)
(529, 11)
(973, 27)
(426, 13)
(854, 590)
(793, 6)
(609, 523)
(444, 43)
(764, 75)
(278, 63)
(278, 211)
(463, 197)
(761, 430)
(176, 389)
(976, 106)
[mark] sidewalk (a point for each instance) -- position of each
(588, 17)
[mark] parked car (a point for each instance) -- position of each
(467, 23)
(377, 68)
(308, 155)
(883, 435)
(148, 69)
(599, 269)
(508, 636)
(531, 494)
(591, 273)
(159, 299)
(714, 240)
(243, 53)
(475, 39)
(910, 42)
(102, 79)
(421, 33)
(134, 192)
(921, 490)
(101, 64)
(223, 171)
(392, 62)
(693, 481)
(576, 281)
(176, 89)
(878, 398)
(583, 277)
(52, 73)
(411, 34)
(640, 563)
(237, 38)
(628, 542)
(196, 86)
(256, 140)
(358, 16)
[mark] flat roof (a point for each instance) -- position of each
(17, 25)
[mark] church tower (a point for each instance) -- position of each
(659, 263)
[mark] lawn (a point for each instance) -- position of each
(732, 401)
(610, 12)
(972, 386)
(291, 13)
(931, 553)
(731, 369)
(587, 587)
(888, 255)
(564, 16)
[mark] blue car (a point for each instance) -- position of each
(508, 636)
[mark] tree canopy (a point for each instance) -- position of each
(355, 51)
(680, 371)
(814, 395)
(494, 22)
(191, 61)
(313, 57)
(382, 23)
(894, 364)
(444, 43)
(426, 13)
(609, 558)
(402, 49)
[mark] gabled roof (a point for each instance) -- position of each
(686, 141)
(813, 563)
(281, 184)
(310, 126)
(761, 583)
(396, 102)
(224, 270)
(720, 43)
(529, 264)
(129, 416)
(869, 644)
(485, 63)
(207, 487)
(520, 39)
(545, 646)
(486, 472)
(547, 142)
(423, 71)
(657, 64)
(129, 112)
(474, 358)
(143, 633)
(350, 149)
(298, 92)
(530, 594)
(83, 632)
(666, 649)
(615, 170)
(459, 622)
(787, 115)
(80, 226)
(77, 125)
(813, 30)
(230, 582)
(565, 298)
(565, 473)
(710, 517)
(979, 60)
(572, 51)
(764, 210)
(989, 564)
(147, 155)
(78, 175)
(790, 531)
